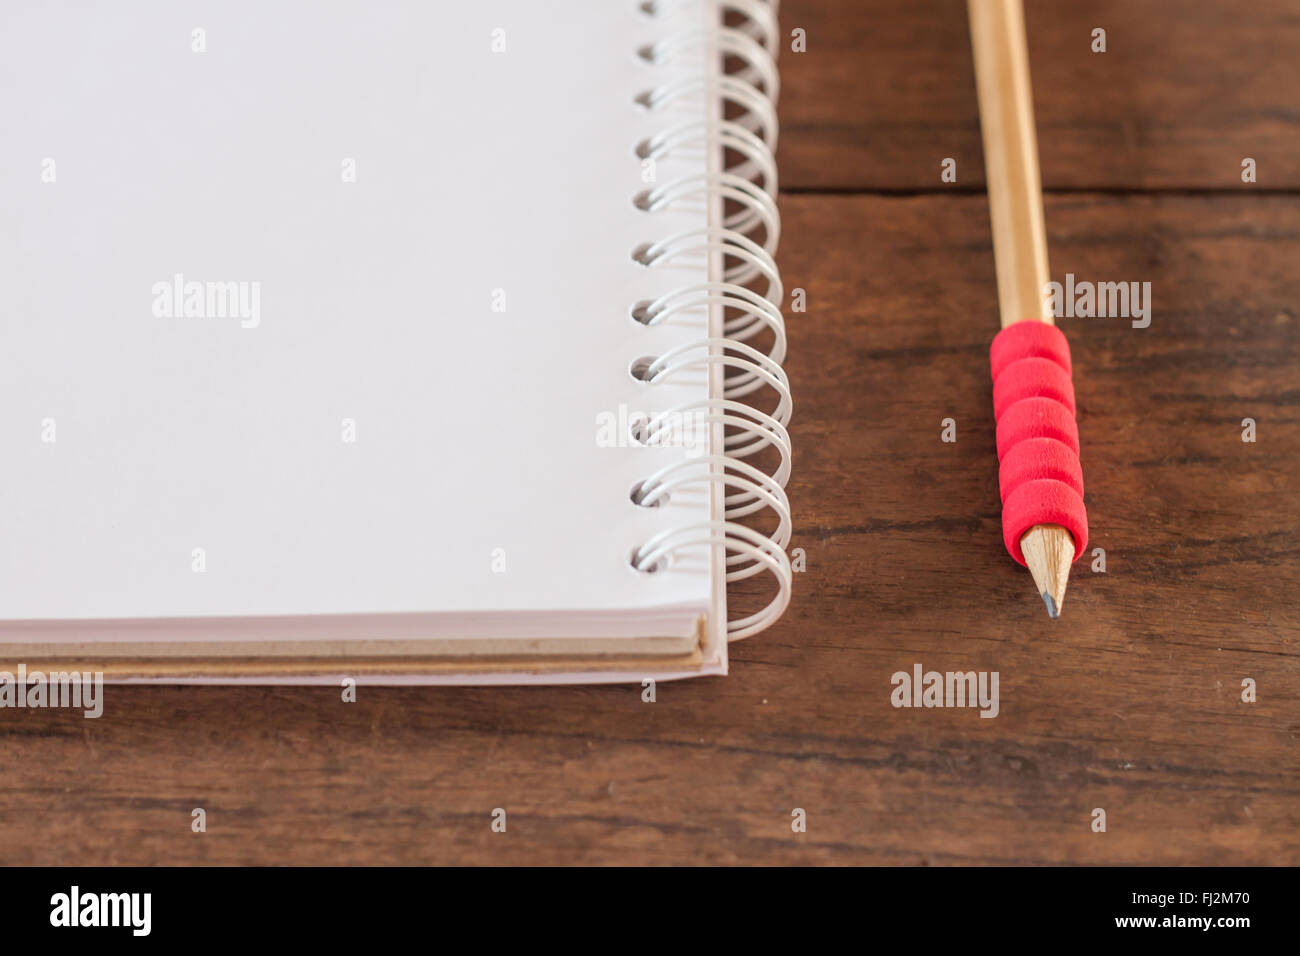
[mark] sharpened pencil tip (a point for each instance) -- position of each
(1048, 550)
(1052, 610)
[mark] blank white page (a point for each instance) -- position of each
(406, 419)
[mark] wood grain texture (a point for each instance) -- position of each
(1184, 92)
(1131, 702)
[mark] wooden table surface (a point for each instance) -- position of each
(1130, 703)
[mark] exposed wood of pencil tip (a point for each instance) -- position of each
(1001, 54)
(1048, 551)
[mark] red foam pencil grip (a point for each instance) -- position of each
(1038, 441)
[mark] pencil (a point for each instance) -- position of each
(1040, 476)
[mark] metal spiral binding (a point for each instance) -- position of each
(749, 287)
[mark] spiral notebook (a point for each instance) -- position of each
(403, 341)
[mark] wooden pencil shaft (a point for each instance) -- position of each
(1010, 158)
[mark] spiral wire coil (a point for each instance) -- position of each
(748, 290)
